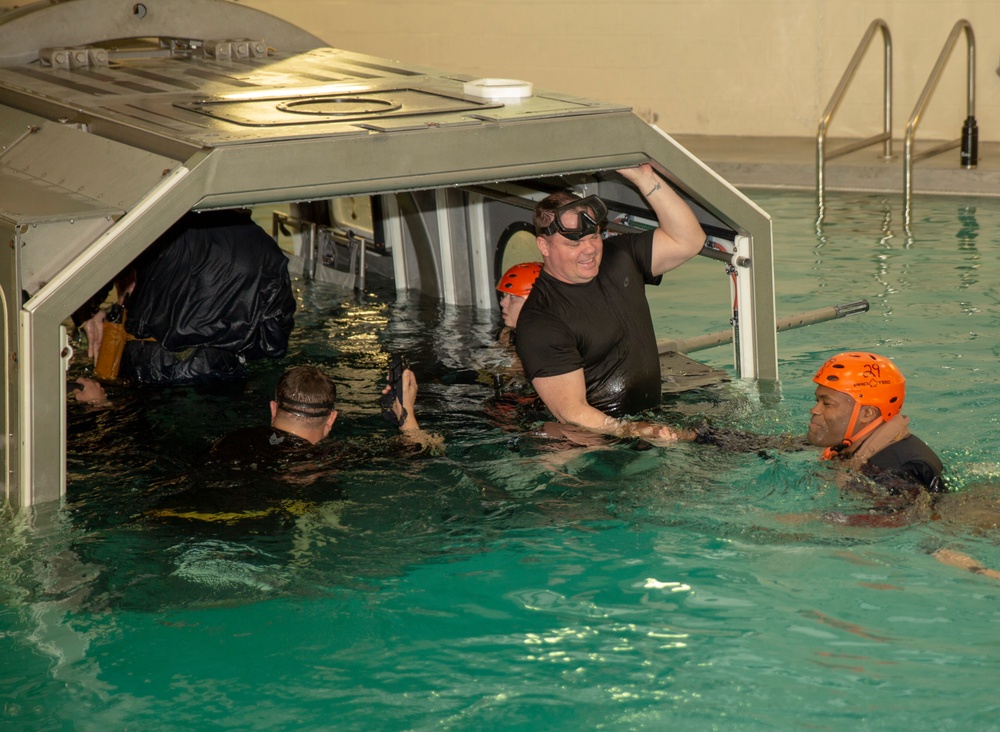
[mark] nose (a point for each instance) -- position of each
(815, 411)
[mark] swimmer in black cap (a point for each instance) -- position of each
(303, 412)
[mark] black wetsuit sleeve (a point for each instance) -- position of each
(911, 460)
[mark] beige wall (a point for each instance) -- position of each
(717, 67)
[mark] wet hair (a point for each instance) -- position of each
(545, 209)
(306, 392)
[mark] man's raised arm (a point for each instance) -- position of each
(679, 236)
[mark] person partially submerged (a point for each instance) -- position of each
(514, 287)
(857, 419)
(304, 410)
(289, 460)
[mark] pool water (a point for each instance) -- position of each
(507, 585)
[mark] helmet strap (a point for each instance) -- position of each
(850, 439)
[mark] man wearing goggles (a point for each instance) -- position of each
(585, 334)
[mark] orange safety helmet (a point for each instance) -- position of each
(871, 380)
(519, 279)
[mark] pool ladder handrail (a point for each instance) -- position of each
(925, 96)
(885, 136)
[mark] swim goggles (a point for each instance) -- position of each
(578, 219)
(308, 410)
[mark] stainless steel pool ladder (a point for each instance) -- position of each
(969, 138)
(885, 136)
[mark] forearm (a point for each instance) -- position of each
(653, 431)
(597, 421)
(566, 397)
(679, 235)
(674, 216)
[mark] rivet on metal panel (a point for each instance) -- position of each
(139, 10)
(166, 171)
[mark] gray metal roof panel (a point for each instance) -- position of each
(201, 102)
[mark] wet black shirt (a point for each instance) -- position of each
(603, 326)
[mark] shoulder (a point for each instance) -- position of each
(631, 244)
(913, 458)
(252, 443)
(627, 252)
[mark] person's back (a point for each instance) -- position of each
(210, 295)
(264, 446)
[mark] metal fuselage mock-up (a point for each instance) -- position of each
(117, 118)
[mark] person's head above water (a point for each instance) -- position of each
(305, 403)
(568, 230)
(515, 285)
(857, 391)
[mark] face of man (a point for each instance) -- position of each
(510, 308)
(830, 417)
(574, 262)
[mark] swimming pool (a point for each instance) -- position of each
(502, 586)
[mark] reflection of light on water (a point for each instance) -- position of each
(654, 584)
(224, 565)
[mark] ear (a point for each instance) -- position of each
(543, 245)
(328, 425)
(274, 410)
(869, 413)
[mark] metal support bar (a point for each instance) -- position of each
(444, 245)
(394, 241)
(721, 337)
(480, 253)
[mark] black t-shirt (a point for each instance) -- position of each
(602, 326)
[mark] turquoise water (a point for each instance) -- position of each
(503, 585)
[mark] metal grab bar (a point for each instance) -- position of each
(719, 338)
(970, 132)
(838, 95)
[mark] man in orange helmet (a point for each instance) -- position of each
(857, 419)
